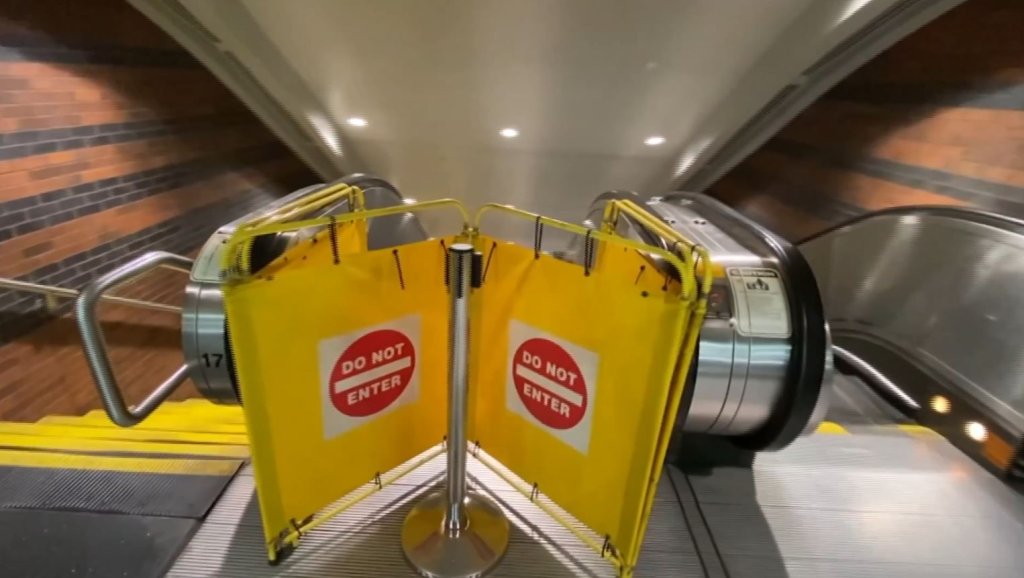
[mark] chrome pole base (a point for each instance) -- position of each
(471, 552)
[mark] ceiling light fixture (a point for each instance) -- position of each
(357, 121)
(653, 141)
(509, 132)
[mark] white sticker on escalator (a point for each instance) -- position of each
(760, 306)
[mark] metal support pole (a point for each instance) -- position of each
(459, 273)
(454, 533)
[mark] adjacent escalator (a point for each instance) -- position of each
(924, 304)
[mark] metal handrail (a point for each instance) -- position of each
(52, 291)
(96, 348)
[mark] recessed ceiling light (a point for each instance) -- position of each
(653, 141)
(509, 132)
(357, 121)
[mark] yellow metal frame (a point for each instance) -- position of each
(683, 263)
(312, 202)
(693, 262)
(705, 267)
(235, 258)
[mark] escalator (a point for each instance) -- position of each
(856, 487)
(782, 464)
(892, 483)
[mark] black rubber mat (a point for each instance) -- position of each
(38, 544)
(101, 491)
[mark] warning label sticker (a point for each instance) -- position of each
(760, 307)
(551, 383)
(368, 373)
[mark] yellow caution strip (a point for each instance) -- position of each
(120, 446)
(917, 430)
(120, 433)
(163, 423)
(200, 407)
(200, 414)
(831, 428)
(55, 460)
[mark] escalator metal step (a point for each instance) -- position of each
(36, 544)
(42, 480)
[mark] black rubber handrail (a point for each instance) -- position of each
(810, 343)
(953, 212)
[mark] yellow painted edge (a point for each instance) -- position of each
(197, 409)
(200, 402)
(832, 428)
(23, 441)
(916, 430)
(155, 423)
(57, 460)
(120, 433)
(184, 415)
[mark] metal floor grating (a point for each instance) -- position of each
(877, 503)
(364, 541)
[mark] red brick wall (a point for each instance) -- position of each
(113, 141)
(937, 119)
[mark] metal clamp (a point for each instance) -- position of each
(96, 348)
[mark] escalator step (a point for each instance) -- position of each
(123, 485)
(36, 544)
(101, 446)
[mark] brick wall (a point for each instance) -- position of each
(113, 142)
(937, 119)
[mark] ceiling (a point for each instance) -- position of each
(584, 82)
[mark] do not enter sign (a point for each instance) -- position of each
(549, 383)
(372, 372)
(368, 373)
(552, 383)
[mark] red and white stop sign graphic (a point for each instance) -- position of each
(549, 383)
(372, 373)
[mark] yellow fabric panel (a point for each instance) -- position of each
(625, 321)
(281, 325)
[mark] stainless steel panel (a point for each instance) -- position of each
(740, 374)
(739, 377)
(204, 338)
(943, 286)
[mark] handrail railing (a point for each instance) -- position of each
(96, 348)
(65, 293)
(948, 211)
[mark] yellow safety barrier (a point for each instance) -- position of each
(341, 359)
(578, 371)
